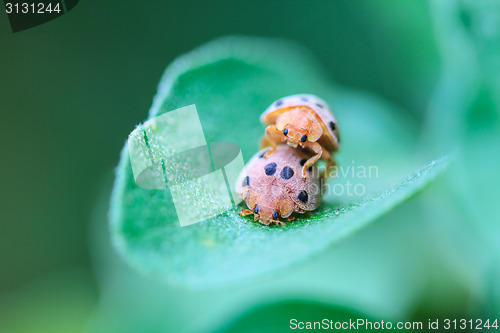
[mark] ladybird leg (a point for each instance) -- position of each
(264, 142)
(278, 222)
(315, 147)
(330, 163)
(291, 218)
(329, 166)
(270, 131)
(245, 212)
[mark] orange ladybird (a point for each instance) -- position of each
(273, 188)
(305, 121)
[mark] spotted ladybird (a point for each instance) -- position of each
(273, 188)
(305, 121)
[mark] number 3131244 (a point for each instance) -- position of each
(31, 8)
(471, 324)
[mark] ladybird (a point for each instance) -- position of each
(305, 121)
(273, 188)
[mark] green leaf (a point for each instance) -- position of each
(232, 81)
(132, 302)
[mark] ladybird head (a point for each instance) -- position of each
(298, 126)
(269, 207)
(264, 213)
(294, 135)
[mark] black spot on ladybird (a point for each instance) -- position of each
(319, 105)
(332, 125)
(285, 132)
(246, 181)
(286, 173)
(278, 102)
(304, 99)
(302, 162)
(256, 210)
(303, 196)
(275, 215)
(303, 138)
(270, 169)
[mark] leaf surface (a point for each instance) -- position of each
(232, 81)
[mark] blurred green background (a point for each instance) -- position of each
(71, 91)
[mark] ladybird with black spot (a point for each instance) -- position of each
(272, 188)
(302, 120)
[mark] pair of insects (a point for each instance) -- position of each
(282, 178)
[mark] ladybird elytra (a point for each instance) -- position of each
(302, 120)
(275, 196)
